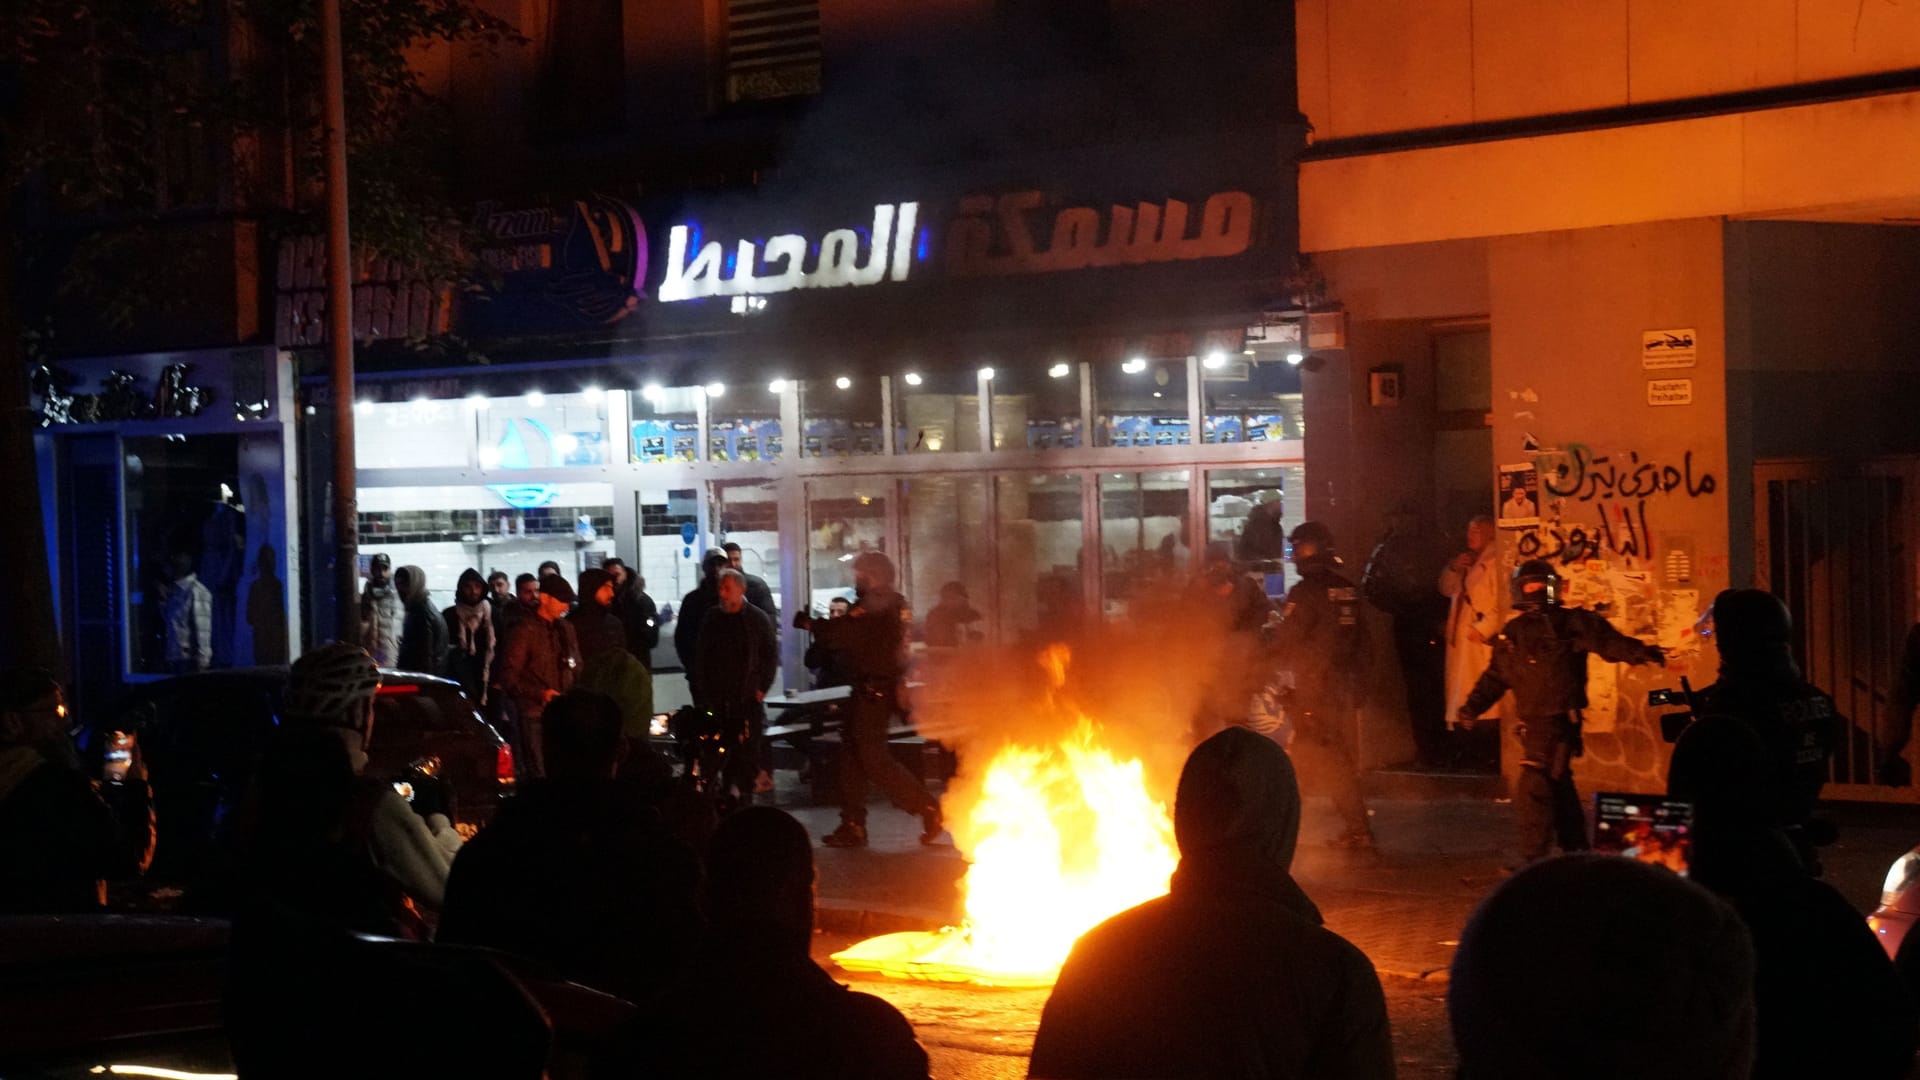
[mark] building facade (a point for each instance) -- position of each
(1649, 262)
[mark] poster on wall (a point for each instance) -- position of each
(1519, 497)
(664, 440)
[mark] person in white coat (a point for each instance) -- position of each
(1472, 583)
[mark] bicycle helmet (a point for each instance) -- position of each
(331, 685)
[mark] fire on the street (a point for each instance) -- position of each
(1067, 834)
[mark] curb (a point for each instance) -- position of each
(868, 922)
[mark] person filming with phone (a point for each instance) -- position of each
(1541, 655)
(62, 835)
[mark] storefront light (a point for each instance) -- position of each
(478, 401)
(535, 398)
(565, 444)
(594, 393)
(845, 383)
(652, 392)
(715, 389)
(1215, 360)
(1134, 366)
(1295, 358)
(1059, 371)
(365, 408)
(913, 379)
(489, 457)
(777, 386)
(986, 373)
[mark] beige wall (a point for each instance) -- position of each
(1370, 66)
(1858, 152)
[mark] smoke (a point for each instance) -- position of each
(1139, 684)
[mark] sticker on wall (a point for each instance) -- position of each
(1661, 350)
(1670, 391)
(1519, 497)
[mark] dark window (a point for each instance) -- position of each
(773, 49)
(582, 71)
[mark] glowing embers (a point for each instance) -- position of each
(1067, 835)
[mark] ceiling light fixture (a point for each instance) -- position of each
(1134, 366)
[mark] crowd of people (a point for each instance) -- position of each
(600, 872)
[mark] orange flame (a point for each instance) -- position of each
(1066, 835)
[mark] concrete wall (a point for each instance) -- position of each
(1647, 486)
(1371, 66)
(1823, 353)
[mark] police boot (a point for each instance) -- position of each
(850, 834)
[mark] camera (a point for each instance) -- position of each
(1674, 723)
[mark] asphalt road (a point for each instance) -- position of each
(975, 1034)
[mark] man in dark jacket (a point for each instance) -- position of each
(756, 976)
(594, 624)
(575, 871)
(1820, 969)
(1322, 645)
(1541, 655)
(693, 609)
(470, 630)
(734, 665)
(1230, 975)
(61, 837)
(541, 663)
(758, 593)
(638, 615)
(423, 630)
(1399, 580)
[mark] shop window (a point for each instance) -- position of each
(666, 424)
(1250, 513)
(845, 516)
(743, 424)
(948, 544)
(512, 528)
(748, 514)
(841, 417)
(937, 412)
(543, 431)
(413, 434)
(187, 525)
(668, 556)
(773, 49)
(1144, 553)
(1040, 547)
(1142, 402)
(1249, 400)
(1037, 408)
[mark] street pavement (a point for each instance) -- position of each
(1403, 907)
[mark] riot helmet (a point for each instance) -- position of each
(1535, 585)
(1747, 621)
(1313, 533)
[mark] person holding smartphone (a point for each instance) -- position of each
(62, 835)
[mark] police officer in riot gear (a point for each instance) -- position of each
(1321, 644)
(868, 645)
(1541, 655)
(1760, 685)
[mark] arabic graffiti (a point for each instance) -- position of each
(1132, 235)
(780, 265)
(1617, 530)
(1578, 473)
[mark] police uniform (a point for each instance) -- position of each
(1799, 726)
(1322, 644)
(868, 647)
(1541, 655)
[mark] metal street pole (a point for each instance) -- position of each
(346, 502)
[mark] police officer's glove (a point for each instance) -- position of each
(803, 619)
(1659, 655)
(1464, 720)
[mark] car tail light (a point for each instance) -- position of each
(503, 765)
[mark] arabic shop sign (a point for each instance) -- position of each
(1014, 233)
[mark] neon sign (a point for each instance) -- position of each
(781, 265)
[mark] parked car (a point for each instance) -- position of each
(201, 736)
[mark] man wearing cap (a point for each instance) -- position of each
(1541, 655)
(542, 659)
(1322, 645)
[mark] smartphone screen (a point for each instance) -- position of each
(119, 757)
(1649, 828)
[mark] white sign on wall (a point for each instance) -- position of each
(1670, 391)
(1662, 349)
(790, 261)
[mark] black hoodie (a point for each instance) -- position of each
(423, 632)
(594, 625)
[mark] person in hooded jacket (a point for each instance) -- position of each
(470, 629)
(1819, 968)
(594, 624)
(693, 610)
(423, 630)
(635, 610)
(1322, 644)
(380, 612)
(1231, 974)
